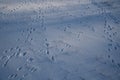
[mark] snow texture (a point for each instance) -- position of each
(59, 39)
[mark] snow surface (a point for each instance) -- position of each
(59, 39)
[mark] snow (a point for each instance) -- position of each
(59, 40)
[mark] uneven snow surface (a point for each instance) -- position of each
(59, 39)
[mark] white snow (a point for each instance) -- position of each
(59, 40)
